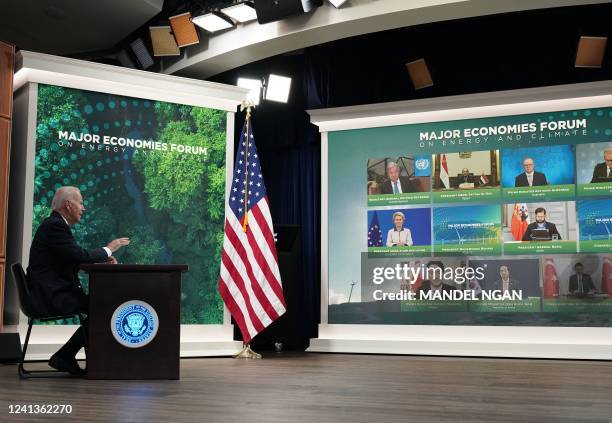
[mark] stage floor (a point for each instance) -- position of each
(310, 387)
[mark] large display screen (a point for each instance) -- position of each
(148, 170)
(491, 221)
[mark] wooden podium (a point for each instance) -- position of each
(134, 321)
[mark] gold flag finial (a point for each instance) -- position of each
(247, 105)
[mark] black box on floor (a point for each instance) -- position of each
(286, 329)
(10, 348)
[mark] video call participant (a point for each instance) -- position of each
(435, 272)
(399, 236)
(530, 178)
(505, 283)
(541, 224)
(581, 283)
(465, 178)
(53, 267)
(603, 171)
(397, 184)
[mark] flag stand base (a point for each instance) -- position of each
(247, 352)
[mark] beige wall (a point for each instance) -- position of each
(478, 163)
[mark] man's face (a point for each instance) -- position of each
(465, 172)
(504, 272)
(435, 275)
(608, 158)
(393, 173)
(74, 208)
(540, 217)
(528, 165)
(579, 270)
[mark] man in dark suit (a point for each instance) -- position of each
(53, 267)
(435, 281)
(530, 178)
(397, 184)
(465, 178)
(581, 283)
(603, 171)
(541, 223)
(505, 283)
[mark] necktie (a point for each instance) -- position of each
(580, 287)
(395, 188)
(530, 179)
(608, 175)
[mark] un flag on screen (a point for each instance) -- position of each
(422, 165)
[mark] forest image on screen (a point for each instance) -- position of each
(149, 170)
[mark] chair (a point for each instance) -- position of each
(26, 307)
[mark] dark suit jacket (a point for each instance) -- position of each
(539, 179)
(552, 229)
(53, 267)
(600, 171)
(405, 182)
(514, 285)
(587, 283)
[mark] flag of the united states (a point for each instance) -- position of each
(249, 281)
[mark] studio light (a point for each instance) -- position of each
(184, 30)
(275, 10)
(213, 22)
(142, 54)
(241, 12)
(278, 88)
(126, 61)
(337, 3)
(254, 85)
(163, 41)
(590, 52)
(419, 74)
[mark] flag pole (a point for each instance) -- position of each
(245, 221)
(246, 352)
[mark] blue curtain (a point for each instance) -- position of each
(289, 149)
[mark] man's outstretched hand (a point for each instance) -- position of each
(111, 260)
(116, 244)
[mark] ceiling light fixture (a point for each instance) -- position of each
(163, 41)
(213, 22)
(184, 31)
(278, 88)
(254, 85)
(590, 52)
(142, 53)
(337, 3)
(241, 12)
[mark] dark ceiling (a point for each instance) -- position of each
(491, 53)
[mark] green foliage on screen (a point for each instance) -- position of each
(170, 204)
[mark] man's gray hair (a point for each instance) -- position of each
(392, 164)
(608, 150)
(62, 195)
